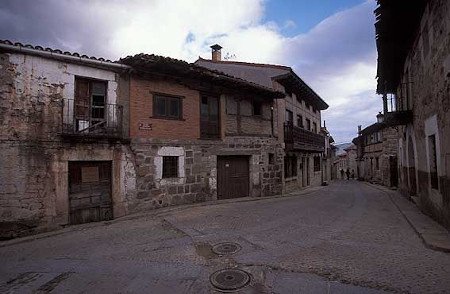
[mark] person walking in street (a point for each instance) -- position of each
(342, 173)
(348, 173)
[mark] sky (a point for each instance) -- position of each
(330, 44)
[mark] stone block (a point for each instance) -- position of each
(172, 190)
(143, 194)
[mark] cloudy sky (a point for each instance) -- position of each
(329, 43)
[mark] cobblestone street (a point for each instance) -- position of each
(348, 237)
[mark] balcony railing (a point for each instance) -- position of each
(297, 138)
(97, 120)
(400, 117)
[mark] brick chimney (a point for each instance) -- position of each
(216, 53)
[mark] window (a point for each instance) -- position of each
(316, 163)
(169, 107)
(170, 167)
(308, 124)
(377, 163)
(315, 127)
(289, 116)
(209, 117)
(290, 166)
(257, 108)
(433, 163)
(300, 121)
(271, 158)
(90, 103)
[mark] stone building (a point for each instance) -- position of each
(296, 118)
(328, 156)
(63, 136)
(86, 139)
(376, 153)
(346, 160)
(414, 80)
(200, 135)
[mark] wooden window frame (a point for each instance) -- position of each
(90, 107)
(300, 119)
(168, 98)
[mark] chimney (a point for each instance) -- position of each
(216, 54)
(380, 117)
(359, 130)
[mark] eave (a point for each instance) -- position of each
(295, 84)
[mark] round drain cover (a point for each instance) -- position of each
(230, 279)
(226, 248)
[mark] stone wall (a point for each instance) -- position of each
(427, 71)
(197, 176)
(34, 161)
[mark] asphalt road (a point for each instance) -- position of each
(345, 238)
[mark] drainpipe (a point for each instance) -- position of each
(271, 120)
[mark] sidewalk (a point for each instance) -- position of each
(152, 213)
(433, 235)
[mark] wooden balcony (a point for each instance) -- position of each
(400, 117)
(300, 139)
(86, 121)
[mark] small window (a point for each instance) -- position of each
(377, 163)
(257, 108)
(308, 124)
(433, 162)
(167, 107)
(316, 163)
(300, 121)
(170, 167)
(315, 127)
(271, 158)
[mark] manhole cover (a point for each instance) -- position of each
(226, 248)
(230, 279)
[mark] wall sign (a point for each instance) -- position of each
(145, 126)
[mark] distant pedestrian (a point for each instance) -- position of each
(348, 173)
(342, 173)
(353, 173)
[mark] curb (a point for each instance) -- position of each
(153, 214)
(432, 234)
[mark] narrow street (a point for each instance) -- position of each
(348, 237)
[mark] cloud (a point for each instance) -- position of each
(337, 57)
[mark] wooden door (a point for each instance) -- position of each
(232, 177)
(393, 171)
(90, 191)
(209, 117)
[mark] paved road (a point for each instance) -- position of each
(345, 238)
